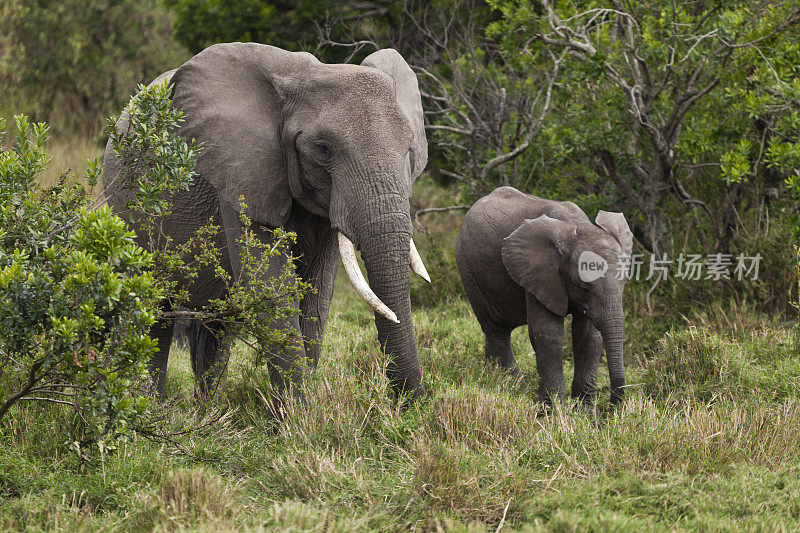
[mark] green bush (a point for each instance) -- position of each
(76, 298)
(78, 295)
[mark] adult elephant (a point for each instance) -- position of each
(328, 151)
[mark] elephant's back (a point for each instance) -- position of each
(492, 292)
(514, 207)
(495, 216)
(480, 240)
(501, 211)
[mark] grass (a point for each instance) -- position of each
(70, 154)
(706, 439)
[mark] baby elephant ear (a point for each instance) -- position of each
(533, 255)
(615, 224)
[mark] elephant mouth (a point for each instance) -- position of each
(347, 252)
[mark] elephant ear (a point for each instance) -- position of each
(231, 94)
(406, 88)
(533, 255)
(615, 224)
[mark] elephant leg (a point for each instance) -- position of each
(286, 359)
(208, 346)
(498, 349)
(546, 331)
(314, 314)
(162, 332)
(317, 264)
(180, 336)
(587, 345)
(287, 364)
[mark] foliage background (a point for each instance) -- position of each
(708, 437)
(74, 63)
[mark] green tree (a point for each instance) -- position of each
(335, 31)
(680, 107)
(289, 24)
(72, 62)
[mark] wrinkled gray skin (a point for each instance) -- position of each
(518, 259)
(315, 149)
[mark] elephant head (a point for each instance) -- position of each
(345, 142)
(577, 268)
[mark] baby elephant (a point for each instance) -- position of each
(525, 259)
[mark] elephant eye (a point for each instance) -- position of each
(323, 148)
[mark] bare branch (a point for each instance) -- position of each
(698, 40)
(50, 400)
(429, 210)
(440, 127)
(357, 46)
(421, 212)
(456, 176)
(533, 128)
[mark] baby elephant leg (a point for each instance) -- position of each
(546, 331)
(498, 350)
(587, 345)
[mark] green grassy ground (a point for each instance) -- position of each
(708, 438)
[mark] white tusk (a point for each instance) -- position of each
(348, 253)
(417, 265)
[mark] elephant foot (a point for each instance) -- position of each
(407, 402)
(208, 388)
(521, 381)
(545, 410)
(276, 415)
(588, 408)
(586, 401)
(279, 410)
(512, 370)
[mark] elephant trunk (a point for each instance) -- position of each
(612, 332)
(386, 261)
(381, 228)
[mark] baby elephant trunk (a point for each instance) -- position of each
(612, 331)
